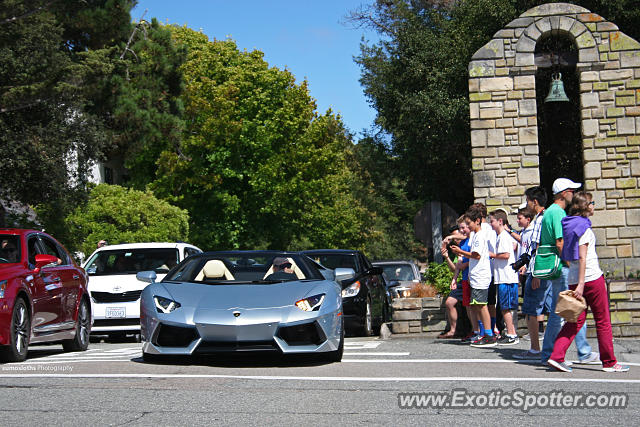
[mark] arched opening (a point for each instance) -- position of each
(559, 123)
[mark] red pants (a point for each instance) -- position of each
(595, 294)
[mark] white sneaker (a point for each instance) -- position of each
(616, 368)
(592, 359)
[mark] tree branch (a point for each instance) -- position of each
(133, 33)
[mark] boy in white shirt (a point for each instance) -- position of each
(479, 272)
(505, 277)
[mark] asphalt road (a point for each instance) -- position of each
(110, 385)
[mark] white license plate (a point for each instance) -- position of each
(115, 312)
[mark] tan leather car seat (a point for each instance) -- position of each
(214, 269)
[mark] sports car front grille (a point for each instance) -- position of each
(304, 334)
(174, 336)
(108, 297)
(225, 346)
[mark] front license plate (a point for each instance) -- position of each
(115, 312)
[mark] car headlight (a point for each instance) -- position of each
(3, 286)
(351, 290)
(165, 305)
(311, 303)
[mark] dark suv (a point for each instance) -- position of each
(364, 298)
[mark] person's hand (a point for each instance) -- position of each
(579, 291)
(523, 270)
(456, 250)
(453, 285)
(535, 283)
(444, 252)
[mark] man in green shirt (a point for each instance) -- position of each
(551, 235)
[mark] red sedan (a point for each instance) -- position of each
(43, 295)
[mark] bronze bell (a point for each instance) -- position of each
(556, 90)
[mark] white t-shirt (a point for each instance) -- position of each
(492, 237)
(592, 271)
(525, 240)
(480, 269)
(502, 270)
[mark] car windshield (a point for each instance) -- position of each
(130, 261)
(334, 261)
(9, 249)
(239, 267)
(401, 272)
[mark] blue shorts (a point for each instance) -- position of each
(536, 301)
(508, 296)
(457, 292)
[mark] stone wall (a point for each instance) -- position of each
(504, 125)
(418, 315)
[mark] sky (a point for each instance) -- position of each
(307, 37)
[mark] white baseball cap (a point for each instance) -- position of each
(522, 206)
(561, 184)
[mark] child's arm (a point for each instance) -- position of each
(465, 254)
(501, 255)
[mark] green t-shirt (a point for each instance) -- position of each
(552, 225)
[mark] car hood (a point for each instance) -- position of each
(117, 283)
(224, 297)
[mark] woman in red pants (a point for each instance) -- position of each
(586, 280)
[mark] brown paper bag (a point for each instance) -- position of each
(569, 307)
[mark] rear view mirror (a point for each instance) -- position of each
(147, 276)
(344, 274)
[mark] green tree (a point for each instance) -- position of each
(257, 167)
(50, 53)
(382, 190)
(141, 107)
(416, 78)
(122, 215)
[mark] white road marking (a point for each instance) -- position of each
(361, 345)
(364, 353)
(317, 379)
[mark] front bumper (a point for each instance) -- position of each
(312, 334)
(115, 316)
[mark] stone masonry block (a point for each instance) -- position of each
(620, 41)
(592, 170)
(589, 99)
(528, 136)
(590, 128)
(524, 82)
(492, 50)
(484, 179)
(608, 218)
(496, 84)
(495, 137)
(608, 75)
(527, 107)
(528, 176)
(626, 126)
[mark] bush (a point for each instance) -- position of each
(440, 277)
(121, 215)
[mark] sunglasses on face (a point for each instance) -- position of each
(592, 203)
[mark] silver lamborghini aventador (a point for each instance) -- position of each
(243, 301)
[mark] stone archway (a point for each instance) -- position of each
(504, 123)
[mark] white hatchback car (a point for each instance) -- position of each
(114, 289)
